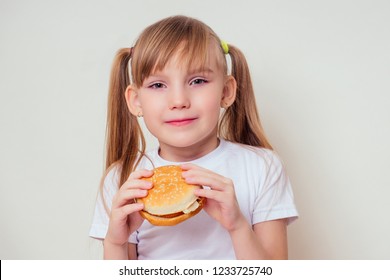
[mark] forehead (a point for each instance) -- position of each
(191, 61)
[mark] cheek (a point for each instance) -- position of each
(210, 111)
(151, 114)
(151, 111)
(151, 121)
(149, 104)
(209, 104)
(213, 108)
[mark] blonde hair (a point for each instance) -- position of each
(190, 38)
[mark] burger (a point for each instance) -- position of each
(171, 200)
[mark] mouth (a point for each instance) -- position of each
(181, 122)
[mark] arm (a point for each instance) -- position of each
(125, 217)
(132, 252)
(266, 240)
(119, 252)
(114, 251)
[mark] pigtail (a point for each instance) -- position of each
(124, 139)
(240, 122)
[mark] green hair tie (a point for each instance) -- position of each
(225, 47)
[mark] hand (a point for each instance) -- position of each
(124, 216)
(221, 201)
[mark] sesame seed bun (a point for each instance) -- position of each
(171, 200)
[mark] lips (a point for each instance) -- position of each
(181, 122)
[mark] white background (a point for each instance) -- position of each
(321, 75)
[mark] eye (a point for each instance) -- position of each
(198, 81)
(156, 85)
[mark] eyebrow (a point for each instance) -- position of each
(200, 70)
(190, 72)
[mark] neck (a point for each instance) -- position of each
(186, 154)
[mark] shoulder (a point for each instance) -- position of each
(110, 180)
(260, 157)
(112, 174)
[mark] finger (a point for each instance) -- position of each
(136, 184)
(190, 169)
(123, 212)
(141, 173)
(221, 198)
(188, 166)
(194, 174)
(210, 194)
(127, 196)
(207, 178)
(191, 166)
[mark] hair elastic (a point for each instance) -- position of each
(129, 65)
(225, 47)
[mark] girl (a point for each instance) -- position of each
(176, 78)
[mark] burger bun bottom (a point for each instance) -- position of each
(171, 221)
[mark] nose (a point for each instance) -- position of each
(178, 98)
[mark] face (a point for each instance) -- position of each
(181, 107)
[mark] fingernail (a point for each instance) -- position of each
(144, 192)
(189, 180)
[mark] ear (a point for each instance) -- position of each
(132, 100)
(229, 92)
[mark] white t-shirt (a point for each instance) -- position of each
(262, 189)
